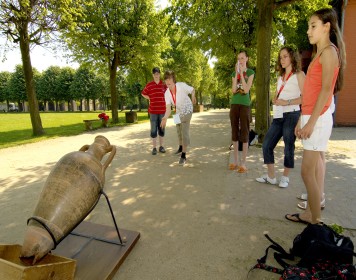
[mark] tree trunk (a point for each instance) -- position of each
(264, 37)
(113, 70)
(36, 122)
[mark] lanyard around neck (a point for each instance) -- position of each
(174, 95)
(284, 82)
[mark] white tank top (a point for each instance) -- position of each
(291, 90)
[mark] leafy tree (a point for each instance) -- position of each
(32, 22)
(5, 77)
(17, 86)
(266, 11)
(222, 28)
(112, 33)
(85, 86)
(49, 84)
(64, 81)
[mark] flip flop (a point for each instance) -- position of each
(242, 169)
(298, 219)
(233, 166)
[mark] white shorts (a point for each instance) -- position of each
(318, 141)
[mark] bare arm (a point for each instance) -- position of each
(247, 86)
(166, 115)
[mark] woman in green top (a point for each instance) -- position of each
(242, 80)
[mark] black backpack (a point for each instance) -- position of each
(318, 247)
(319, 243)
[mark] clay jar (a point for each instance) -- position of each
(70, 192)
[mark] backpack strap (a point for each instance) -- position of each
(282, 254)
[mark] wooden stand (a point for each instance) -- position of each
(97, 250)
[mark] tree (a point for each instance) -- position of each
(49, 84)
(112, 33)
(222, 28)
(5, 77)
(266, 11)
(17, 86)
(65, 79)
(85, 86)
(31, 22)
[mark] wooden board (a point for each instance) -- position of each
(97, 259)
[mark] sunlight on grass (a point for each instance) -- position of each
(16, 128)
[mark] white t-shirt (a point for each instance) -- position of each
(183, 104)
(291, 90)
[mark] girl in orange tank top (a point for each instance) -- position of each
(324, 77)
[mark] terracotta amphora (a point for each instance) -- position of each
(70, 192)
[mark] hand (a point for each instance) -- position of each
(237, 70)
(194, 100)
(163, 123)
(280, 102)
(306, 131)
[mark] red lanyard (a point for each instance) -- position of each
(174, 96)
(283, 84)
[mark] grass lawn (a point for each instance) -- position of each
(16, 128)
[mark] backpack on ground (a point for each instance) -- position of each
(318, 252)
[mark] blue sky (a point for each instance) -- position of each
(41, 58)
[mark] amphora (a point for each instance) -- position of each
(70, 192)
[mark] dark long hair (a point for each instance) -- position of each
(329, 15)
(294, 58)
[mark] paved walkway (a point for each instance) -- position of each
(200, 221)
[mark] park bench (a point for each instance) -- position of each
(89, 123)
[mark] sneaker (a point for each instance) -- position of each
(154, 151)
(182, 161)
(267, 180)
(254, 141)
(283, 183)
(178, 152)
(162, 150)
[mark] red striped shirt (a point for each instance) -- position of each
(156, 94)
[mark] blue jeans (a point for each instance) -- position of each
(283, 127)
(155, 120)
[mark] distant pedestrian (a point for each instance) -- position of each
(323, 79)
(286, 112)
(154, 92)
(177, 95)
(242, 80)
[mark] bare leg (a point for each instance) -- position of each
(270, 170)
(236, 152)
(184, 149)
(286, 171)
(310, 170)
(321, 175)
(154, 142)
(161, 141)
(244, 154)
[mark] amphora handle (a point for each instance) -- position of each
(108, 160)
(110, 157)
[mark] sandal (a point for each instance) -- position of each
(233, 166)
(297, 217)
(242, 169)
(304, 204)
(304, 196)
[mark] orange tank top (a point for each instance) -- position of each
(312, 87)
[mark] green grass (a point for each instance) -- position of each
(16, 128)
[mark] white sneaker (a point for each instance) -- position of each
(283, 183)
(254, 141)
(267, 180)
